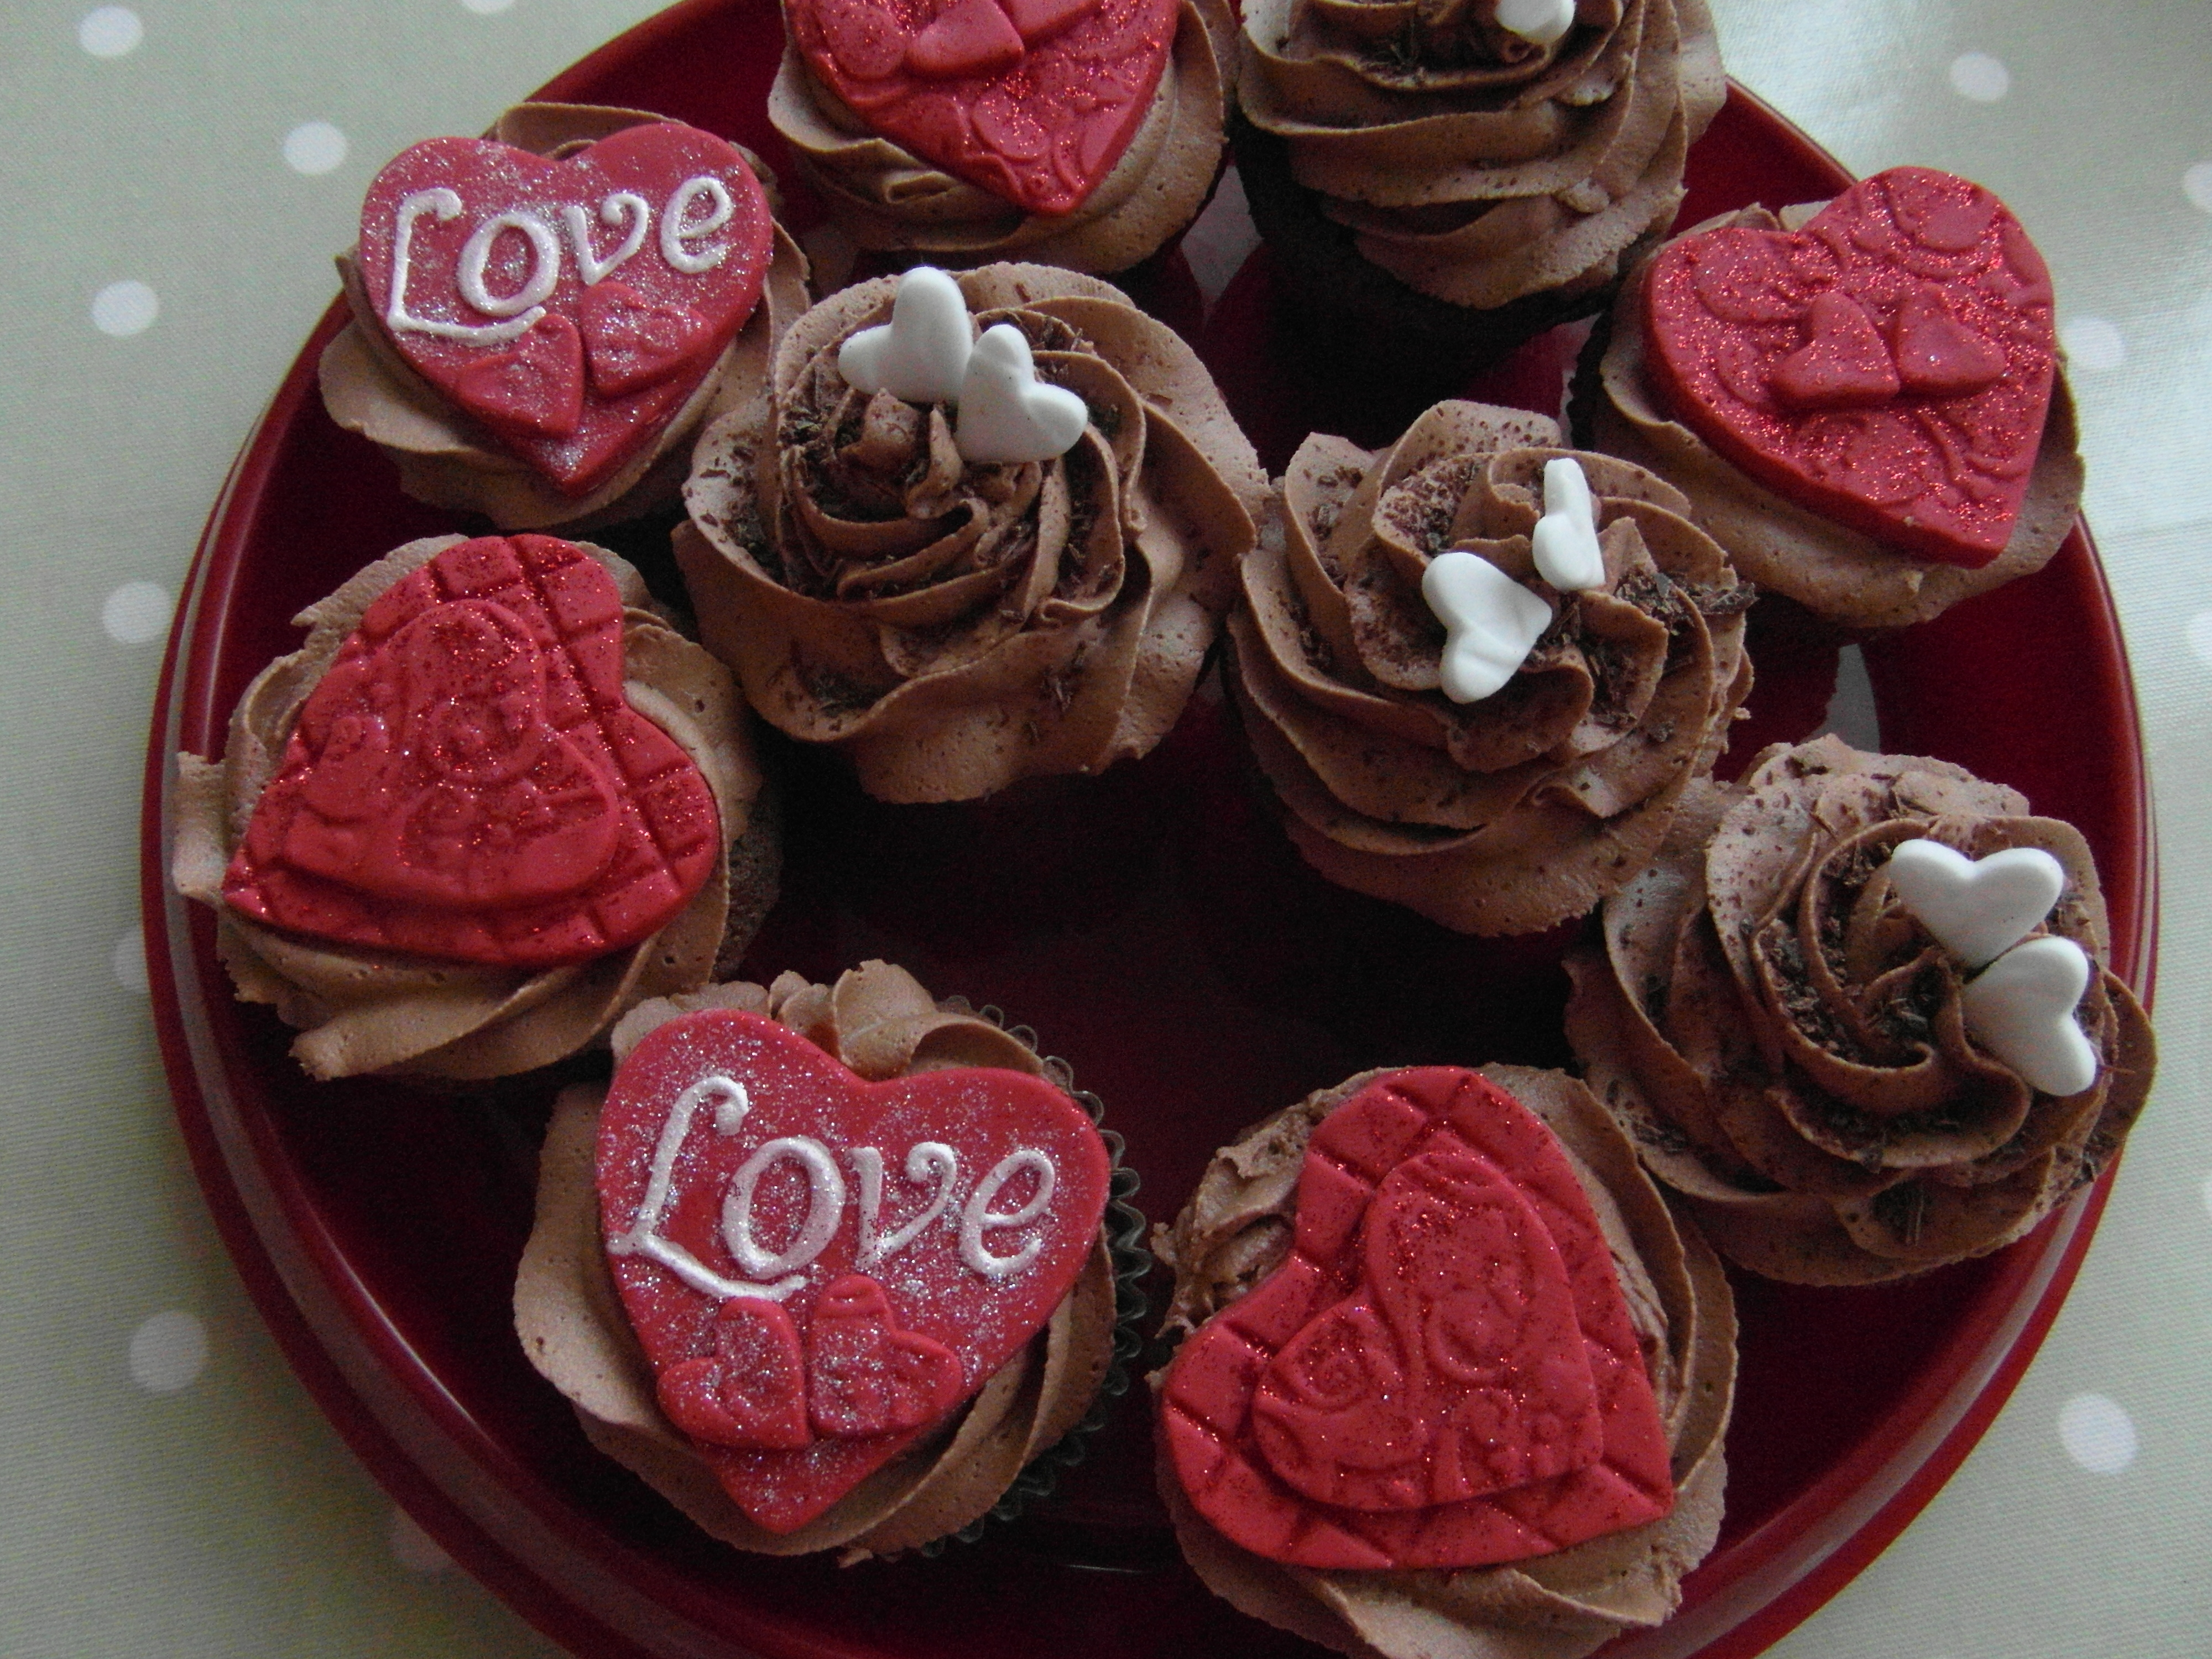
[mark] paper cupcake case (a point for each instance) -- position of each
(1125, 1238)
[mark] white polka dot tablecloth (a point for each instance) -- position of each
(180, 177)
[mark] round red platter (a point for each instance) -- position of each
(1155, 927)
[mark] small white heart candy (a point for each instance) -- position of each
(1565, 540)
(1490, 622)
(1541, 22)
(2021, 1008)
(1977, 908)
(922, 354)
(1006, 413)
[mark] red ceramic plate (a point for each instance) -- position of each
(1155, 926)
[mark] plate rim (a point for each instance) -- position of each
(428, 1455)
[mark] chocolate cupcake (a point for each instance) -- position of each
(1451, 1378)
(1860, 398)
(885, 582)
(493, 802)
(544, 318)
(1476, 174)
(916, 1353)
(1081, 133)
(1507, 807)
(1856, 1023)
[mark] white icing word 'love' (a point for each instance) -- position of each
(1491, 623)
(679, 230)
(1565, 540)
(928, 353)
(774, 1275)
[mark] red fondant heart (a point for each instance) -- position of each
(1033, 101)
(469, 246)
(903, 1230)
(1888, 366)
(1443, 1372)
(969, 37)
(633, 342)
(468, 781)
(752, 1390)
(535, 389)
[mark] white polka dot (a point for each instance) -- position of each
(2197, 185)
(109, 32)
(2097, 1434)
(414, 1548)
(486, 8)
(135, 613)
(2093, 343)
(128, 961)
(124, 308)
(168, 1352)
(1977, 76)
(2200, 637)
(314, 147)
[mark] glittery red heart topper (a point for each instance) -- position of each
(1443, 1372)
(818, 1267)
(571, 307)
(1888, 366)
(467, 781)
(1033, 101)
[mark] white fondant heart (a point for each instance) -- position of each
(2021, 1008)
(1565, 541)
(1006, 413)
(1977, 908)
(1541, 22)
(922, 354)
(1490, 622)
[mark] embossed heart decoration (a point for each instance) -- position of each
(1889, 364)
(572, 307)
(468, 781)
(818, 1267)
(1443, 1372)
(1032, 100)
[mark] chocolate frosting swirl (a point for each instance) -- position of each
(1785, 1042)
(955, 628)
(1473, 165)
(359, 1010)
(1519, 810)
(1236, 1230)
(449, 460)
(878, 1020)
(1851, 579)
(888, 198)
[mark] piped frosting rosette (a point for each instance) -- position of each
(995, 1453)
(888, 198)
(1237, 1233)
(956, 627)
(1474, 164)
(1518, 811)
(1790, 1047)
(449, 458)
(361, 1009)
